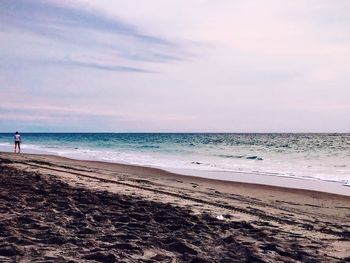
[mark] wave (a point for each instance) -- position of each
(162, 152)
(254, 158)
(231, 156)
(149, 147)
(284, 146)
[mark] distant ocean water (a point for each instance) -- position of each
(309, 156)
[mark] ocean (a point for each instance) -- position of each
(323, 157)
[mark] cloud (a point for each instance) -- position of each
(49, 118)
(77, 30)
(43, 16)
(71, 63)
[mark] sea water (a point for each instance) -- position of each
(308, 156)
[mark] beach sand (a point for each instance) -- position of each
(54, 209)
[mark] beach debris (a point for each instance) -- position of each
(220, 217)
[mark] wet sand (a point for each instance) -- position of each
(55, 209)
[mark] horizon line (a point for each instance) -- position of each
(175, 132)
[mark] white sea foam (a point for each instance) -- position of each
(304, 162)
(192, 162)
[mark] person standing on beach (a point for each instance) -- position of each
(17, 138)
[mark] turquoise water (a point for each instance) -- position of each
(311, 156)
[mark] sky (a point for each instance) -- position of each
(175, 66)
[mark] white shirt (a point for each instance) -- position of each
(17, 138)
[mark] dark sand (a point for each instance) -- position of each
(59, 210)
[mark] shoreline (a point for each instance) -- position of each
(53, 207)
(329, 187)
(286, 183)
(230, 167)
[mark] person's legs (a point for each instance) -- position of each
(19, 147)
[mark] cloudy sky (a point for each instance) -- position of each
(175, 65)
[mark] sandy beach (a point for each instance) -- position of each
(55, 209)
